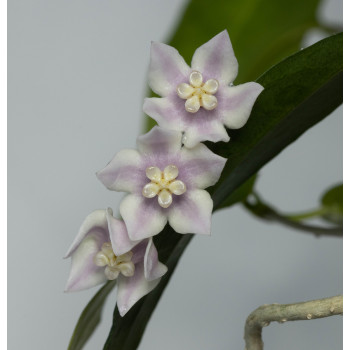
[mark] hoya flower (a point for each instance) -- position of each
(166, 183)
(103, 251)
(199, 100)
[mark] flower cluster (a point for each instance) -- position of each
(166, 176)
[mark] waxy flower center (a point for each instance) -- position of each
(198, 94)
(164, 184)
(114, 264)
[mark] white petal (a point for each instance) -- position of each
(193, 213)
(196, 79)
(166, 70)
(216, 59)
(171, 172)
(177, 187)
(143, 217)
(211, 86)
(150, 190)
(209, 102)
(165, 198)
(238, 103)
(192, 105)
(159, 141)
(123, 172)
(131, 289)
(203, 167)
(184, 90)
(153, 268)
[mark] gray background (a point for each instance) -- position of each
(76, 83)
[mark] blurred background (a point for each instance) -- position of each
(76, 82)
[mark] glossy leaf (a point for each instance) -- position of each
(332, 201)
(299, 92)
(262, 32)
(90, 318)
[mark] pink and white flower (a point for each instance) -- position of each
(166, 183)
(103, 251)
(199, 100)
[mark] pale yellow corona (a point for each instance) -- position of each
(198, 94)
(164, 184)
(114, 264)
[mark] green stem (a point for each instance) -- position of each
(308, 214)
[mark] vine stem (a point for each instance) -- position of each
(281, 313)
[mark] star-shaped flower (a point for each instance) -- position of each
(166, 182)
(103, 251)
(199, 100)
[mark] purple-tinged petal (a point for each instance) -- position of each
(123, 172)
(159, 141)
(166, 70)
(238, 103)
(153, 268)
(143, 217)
(119, 237)
(95, 222)
(139, 251)
(216, 59)
(131, 289)
(84, 273)
(201, 167)
(192, 214)
(212, 131)
(165, 112)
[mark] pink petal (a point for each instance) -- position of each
(159, 141)
(123, 172)
(143, 216)
(132, 289)
(153, 268)
(201, 166)
(192, 214)
(166, 70)
(216, 59)
(84, 273)
(120, 240)
(238, 103)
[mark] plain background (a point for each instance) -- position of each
(76, 82)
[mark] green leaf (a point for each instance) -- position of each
(240, 194)
(299, 92)
(332, 201)
(262, 32)
(90, 318)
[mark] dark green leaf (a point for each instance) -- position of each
(90, 318)
(299, 92)
(262, 32)
(332, 201)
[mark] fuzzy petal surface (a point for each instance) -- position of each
(143, 217)
(203, 167)
(123, 172)
(192, 214)
(167, 68)
(216, 59)
(131, 289)
(238, 103)
(153, 268)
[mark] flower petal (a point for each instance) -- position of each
(153, 268)
(238, 103)
(159, 141)
(192, 214)
(201, 166)
(84, 272)
(213, 131)
(167, 69)
(216, 59)
(143, 217)
(132, 289)
(123, 172)
(95, 222)
(119, 237)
